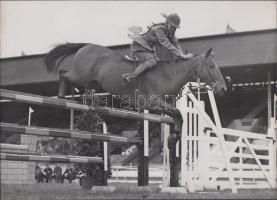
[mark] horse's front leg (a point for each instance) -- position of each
(168, 109)
(173, 138)
(173, 112)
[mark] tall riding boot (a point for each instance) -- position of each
(132, 76)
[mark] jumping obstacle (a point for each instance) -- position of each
(213, 157)
(143, 179)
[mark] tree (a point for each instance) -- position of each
(91, 122)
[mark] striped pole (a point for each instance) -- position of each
(143, 165)
(8, 147)
(146, 150)
(63, 133)
(173, 163)
(60, 159)
(140, 155)
(68, 104)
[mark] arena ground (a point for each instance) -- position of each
(123, 191)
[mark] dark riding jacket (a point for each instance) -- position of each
(158, 34)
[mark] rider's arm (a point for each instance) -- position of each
(176, 43)
(178, 46)
(164, 41)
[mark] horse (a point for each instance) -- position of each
(93, 66)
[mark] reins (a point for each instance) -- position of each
(194, 76)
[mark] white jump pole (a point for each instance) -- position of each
(105, 155)
(146, 135)
(222, 142)
(71, 123)
(29, 115)
(181, 104)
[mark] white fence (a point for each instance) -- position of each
(213, 157)
(129, 174)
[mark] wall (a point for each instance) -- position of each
(18, 172)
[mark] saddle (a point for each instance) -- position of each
(137, 61)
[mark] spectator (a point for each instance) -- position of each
(69, 173)
(58, 174)
(48, 173)
(40, 148)
(39, 174)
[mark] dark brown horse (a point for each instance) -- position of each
(90, 66)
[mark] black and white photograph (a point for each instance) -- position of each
(138, 100)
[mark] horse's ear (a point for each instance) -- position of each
(209, 52)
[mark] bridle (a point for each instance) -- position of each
(195, 75)
(213, 81)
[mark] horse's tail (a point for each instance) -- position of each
(60, 51)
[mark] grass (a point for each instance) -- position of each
(123, 191)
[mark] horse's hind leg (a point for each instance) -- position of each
(62, 84)
(62, 88)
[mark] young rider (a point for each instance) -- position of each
(143, 45)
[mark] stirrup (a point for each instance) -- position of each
(124, 75)
(131, 59)
(128, 77)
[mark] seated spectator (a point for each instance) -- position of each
(48, 173)
(58, 174)
(39, 174)
(40, 148)
(69, 173)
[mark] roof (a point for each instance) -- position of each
(240, 49)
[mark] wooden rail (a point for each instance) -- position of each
(69, 104)
(64, 133)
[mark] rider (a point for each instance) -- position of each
(143, 45)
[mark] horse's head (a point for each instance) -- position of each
(209, 73)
